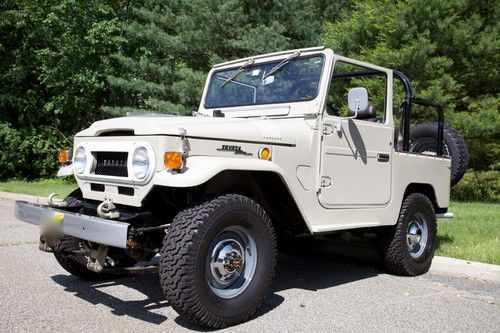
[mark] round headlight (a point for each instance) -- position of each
(140, 163)
(80, 160)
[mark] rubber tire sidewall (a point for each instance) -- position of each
(214, 311)
(242, 302)
(395, 253)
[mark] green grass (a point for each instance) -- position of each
(41, 188)
(473, 234)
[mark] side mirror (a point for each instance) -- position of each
(357, 101)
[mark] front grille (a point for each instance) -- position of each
(111, 164)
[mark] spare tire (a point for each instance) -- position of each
(423, 139)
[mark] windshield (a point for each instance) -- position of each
(295, 81)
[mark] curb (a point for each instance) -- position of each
(465, 268)
(440, 265)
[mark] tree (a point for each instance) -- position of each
(170, 46)
(55, 55)
(450, 51)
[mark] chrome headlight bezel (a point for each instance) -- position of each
(80, 160)
(141, 163)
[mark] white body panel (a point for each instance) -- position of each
(364, 192)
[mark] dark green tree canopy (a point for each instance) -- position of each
(449, 49)
(66, 63)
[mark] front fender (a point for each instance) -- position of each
(200, 169)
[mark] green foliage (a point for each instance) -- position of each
(66, 63)
(481, 186)
(10, 159)
(55, 55)
(481, 128)
(29, 153)
(449, 49)
(169, 46)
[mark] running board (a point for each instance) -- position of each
(448, 215)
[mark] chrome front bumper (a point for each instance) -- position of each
(91, 228)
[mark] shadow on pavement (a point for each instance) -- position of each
(95, 293)
(310, 264)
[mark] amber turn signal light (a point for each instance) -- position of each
(264, 153)
(173, 160)
(63, 156)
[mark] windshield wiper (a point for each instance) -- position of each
(230, 78)
(281, 64)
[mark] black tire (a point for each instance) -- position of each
(185, 262)
(74, 264)
(423, 138)
(397, 258)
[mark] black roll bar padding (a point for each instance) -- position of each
(439, 109)
(406, 116)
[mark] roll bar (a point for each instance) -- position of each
(403, 143)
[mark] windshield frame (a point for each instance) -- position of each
(216, 72)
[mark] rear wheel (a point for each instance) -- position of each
(218, 260)
(408, 247)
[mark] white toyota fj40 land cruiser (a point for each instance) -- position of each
(283, 144)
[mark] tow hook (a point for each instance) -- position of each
(106, 210)
(55, 202)
(97, 259)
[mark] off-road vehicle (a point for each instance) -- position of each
(283, 144)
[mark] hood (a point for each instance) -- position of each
(236, 129)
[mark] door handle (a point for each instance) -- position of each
(384, 158)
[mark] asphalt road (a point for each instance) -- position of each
(315, 290)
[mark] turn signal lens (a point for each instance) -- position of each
(264, 153)
(173, 160)
(63, 156)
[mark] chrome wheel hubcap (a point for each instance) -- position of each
(417, 235)
(231, 261)
(227, 261)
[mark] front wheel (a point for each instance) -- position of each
(218, 261)
(408, 247)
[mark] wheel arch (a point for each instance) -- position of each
(268, 189)
(427, 190)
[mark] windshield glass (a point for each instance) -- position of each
(295, 81)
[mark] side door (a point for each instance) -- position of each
(356, 152)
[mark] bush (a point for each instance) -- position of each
(10, 158)
(478, 186)
(29, 154)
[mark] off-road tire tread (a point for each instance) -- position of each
(178, 261)
(393, 252)
(460, 158)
